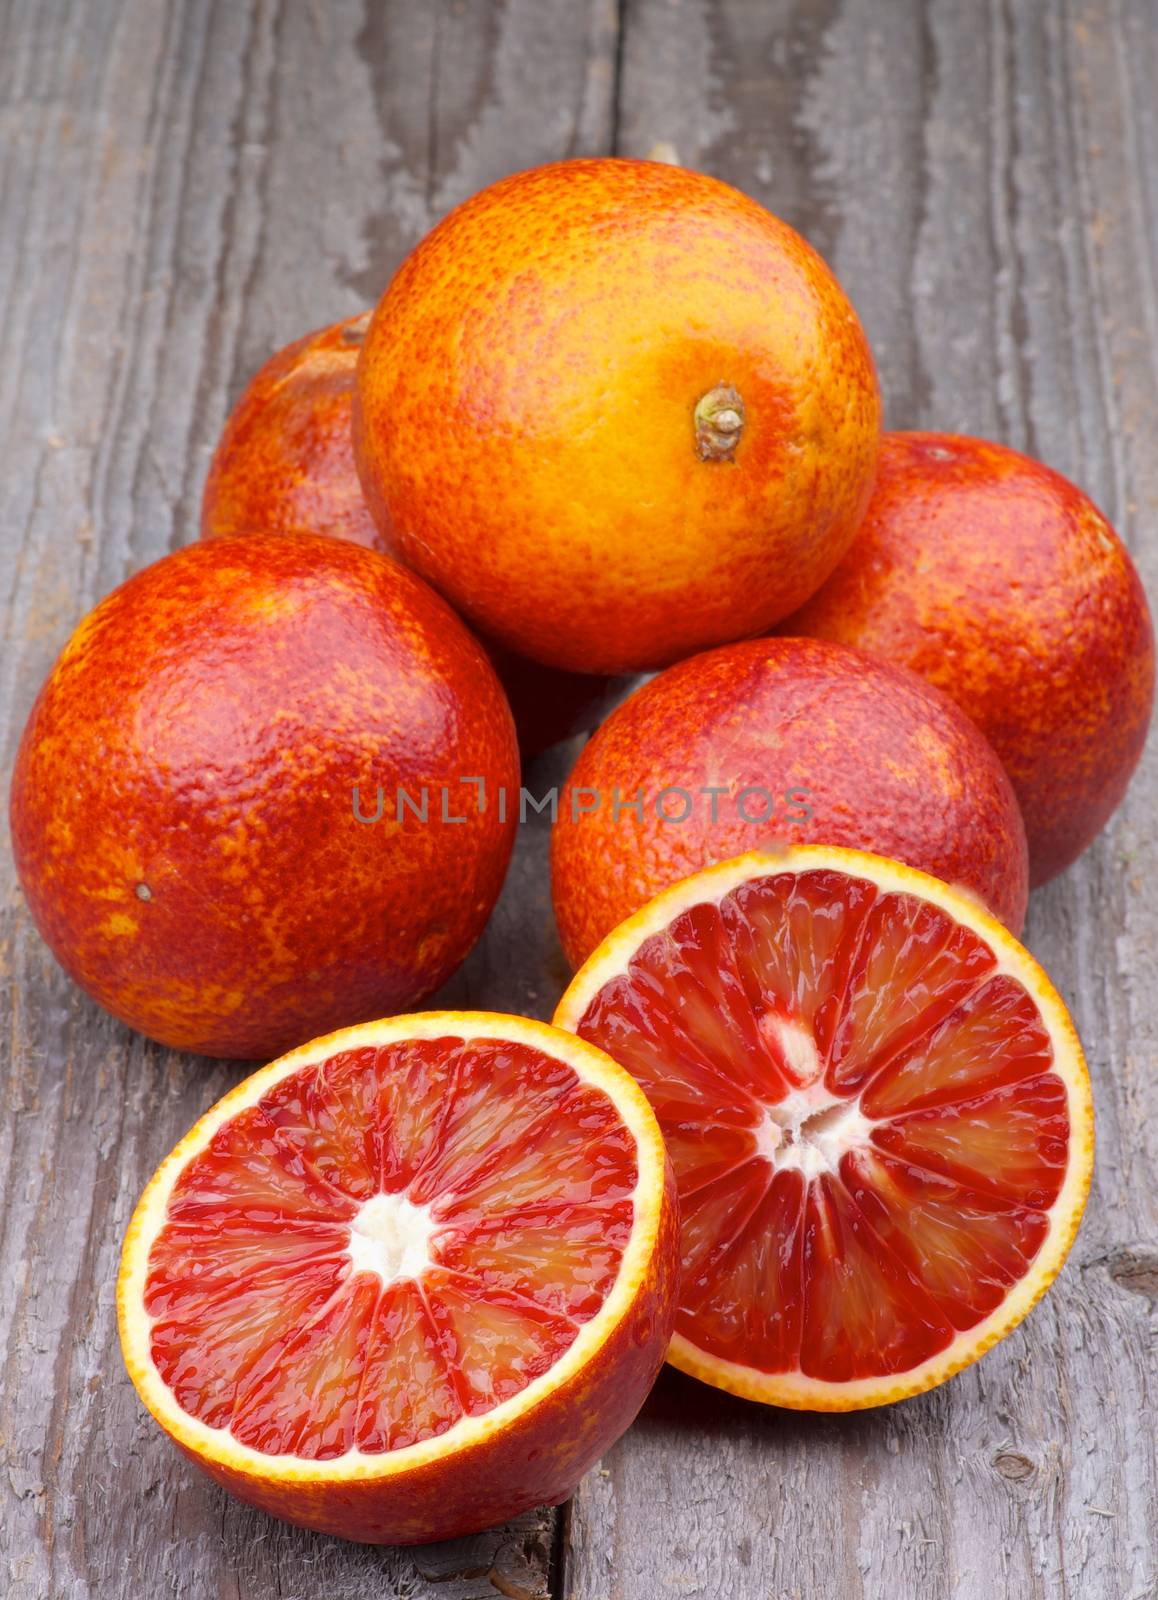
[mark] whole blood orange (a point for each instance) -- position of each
(183, 810)
(408, 1281)
(778, 740)
(616, 412)
(285, 459)
(877, 1108)
(285, 464)
(1003, 584)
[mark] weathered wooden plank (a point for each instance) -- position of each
(985, 180)
(184, 186)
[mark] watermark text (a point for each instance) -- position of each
(451, 805)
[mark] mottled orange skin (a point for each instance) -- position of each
(285, 464)
(1003, 584)
(524, 418)
(536, 1460)
(890, 766)
(182, 813)
(285, 459)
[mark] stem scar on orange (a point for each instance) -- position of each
(877, 1108)
(408, 1281)
(616, 412)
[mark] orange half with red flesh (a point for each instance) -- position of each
(878, 1112)
(409, 1280)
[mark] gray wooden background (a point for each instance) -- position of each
(185, 185)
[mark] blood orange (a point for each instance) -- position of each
(877, 1108)
(285, 464)
(1004, 585)
(779, 741)
(616, 412)
(285, 459)
(207, 811)
(409, 1280)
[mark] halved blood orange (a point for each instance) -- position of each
(409, 1280)
(877, 1108)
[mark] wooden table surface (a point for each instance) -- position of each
(184, 186)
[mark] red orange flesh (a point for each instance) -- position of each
(409, 1281)
(878, 1113)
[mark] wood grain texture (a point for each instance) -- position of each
(186, 185)
(984, 179)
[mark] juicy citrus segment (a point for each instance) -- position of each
(375, 1247)
(332, 1120)
(206, 1352)
(1012, 1142)
(253, 1171)
(966, 1247)
(440, 1127)
(407, 1394)
(866, 1314)
(196, 1260)
(563, 1257)
(494, 1340)
(301, 1395)
(492, 1102)
(876, 1107)
(993, 1037)
(788, 958)
(912, 967)
(552, 1165)
(754, 1237)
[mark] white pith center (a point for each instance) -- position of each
(391, 1236)
(810, 1129)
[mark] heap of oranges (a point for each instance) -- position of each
(810, 1121)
